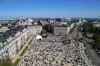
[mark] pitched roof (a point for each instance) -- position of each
(10, 33)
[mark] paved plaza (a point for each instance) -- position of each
(51, 51)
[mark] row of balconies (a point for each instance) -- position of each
(10, 45)
(8, 48)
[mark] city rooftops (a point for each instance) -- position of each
(10, 33)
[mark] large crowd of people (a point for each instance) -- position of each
(51, 51)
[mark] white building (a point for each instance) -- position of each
(14, 39)
(96, 24)
(63, 30)
(81, 21)
(10, 45)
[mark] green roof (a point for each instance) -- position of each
(69, 23)
(65, 25)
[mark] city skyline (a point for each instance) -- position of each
(49, 8)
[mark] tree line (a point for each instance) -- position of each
(88, 28)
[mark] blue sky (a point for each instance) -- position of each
(49, 8)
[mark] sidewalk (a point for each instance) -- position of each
(18, 54)
(83, 55)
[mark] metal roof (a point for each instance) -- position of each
(10, 33)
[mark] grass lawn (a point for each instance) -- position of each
(71, 29)
(30, 42)
(24, 51)
(17, 61)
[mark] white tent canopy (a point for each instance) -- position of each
(38, 37)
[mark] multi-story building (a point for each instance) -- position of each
(13, 40)
(96, 24)
(3, 29)
(63, 29)
(14, 36)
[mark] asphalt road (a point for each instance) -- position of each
(91, 53)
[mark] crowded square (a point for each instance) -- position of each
(51, 51)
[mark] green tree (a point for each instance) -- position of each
(58, 20)
(44, 26)
(42, 32)
(47, 20)
(39, 23)
(49, 28)
(97, 30)
(6, 62)
(96, 39)
(88, 27)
